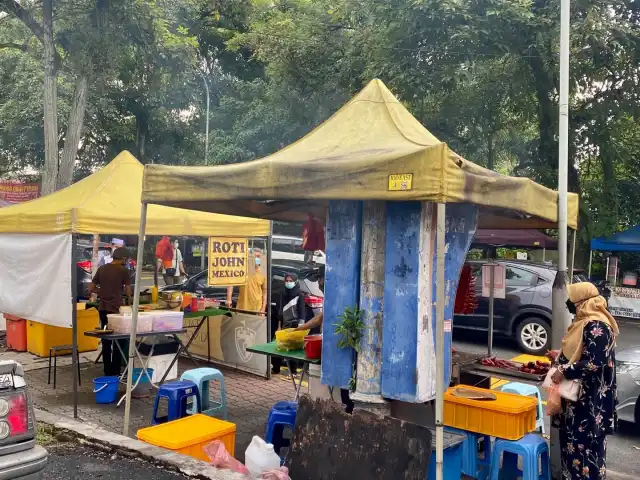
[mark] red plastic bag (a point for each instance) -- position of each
(220, 458)
(554, 402)
(280, 474)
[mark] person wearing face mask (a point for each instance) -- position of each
(252, 297)
(293, 314)
(587, 355)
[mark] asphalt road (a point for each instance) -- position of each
(71, 461)
(623, 449)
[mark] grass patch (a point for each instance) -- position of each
(44, 435)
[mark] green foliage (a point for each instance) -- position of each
(350, 328)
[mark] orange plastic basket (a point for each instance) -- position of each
(510, 416)
(190, 434)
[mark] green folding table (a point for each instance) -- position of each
(292, 355)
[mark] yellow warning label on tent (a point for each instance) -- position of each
(400, 181)
(228, 263)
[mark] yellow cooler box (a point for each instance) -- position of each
(41, 337)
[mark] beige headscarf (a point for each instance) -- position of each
(589, 306)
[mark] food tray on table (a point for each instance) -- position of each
(512, 369)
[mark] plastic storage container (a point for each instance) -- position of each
(122, 324)
(106, 389)
(166, 320)
(190, 434)
(41, 337)
(509, 416)
(16, 333)
(159, 364)
(260, 457)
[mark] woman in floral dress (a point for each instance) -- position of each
(587, 355)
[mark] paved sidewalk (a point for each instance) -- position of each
(249, 399)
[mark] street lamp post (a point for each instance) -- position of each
(206, 161)
(561, 319)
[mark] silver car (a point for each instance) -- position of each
(628, 379)
(20, 457)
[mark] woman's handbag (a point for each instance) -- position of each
(568, 389)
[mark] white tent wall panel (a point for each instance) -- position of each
(35, 277)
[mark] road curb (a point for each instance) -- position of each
(611, 475)
(129, 447)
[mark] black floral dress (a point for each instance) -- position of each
(584, 424)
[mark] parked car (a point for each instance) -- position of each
(524, 313)
(20, 457)
(628, 379)
(309, 278)
(290, 248)
(83, 266)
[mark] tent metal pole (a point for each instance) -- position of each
(134, 318)
(269, 292)
(590, 263)
(74, 324)
(573, 256)
(440, 292)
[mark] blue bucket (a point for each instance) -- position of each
(106, 389)
(143, 389)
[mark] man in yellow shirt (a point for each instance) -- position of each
(252, 297)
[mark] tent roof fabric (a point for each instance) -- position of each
(627, 241)
(109, 202)
(514, 238)
(351, 157)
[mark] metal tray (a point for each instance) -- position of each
(506, 372)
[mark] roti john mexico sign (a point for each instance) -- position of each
(228, 261)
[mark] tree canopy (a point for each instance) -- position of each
(482, 75)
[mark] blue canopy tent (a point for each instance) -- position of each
(627, 241)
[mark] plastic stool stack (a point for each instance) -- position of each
(532, 448)
(472, 465)
(528, 391)
(283, 414)
(177, 395)
(202, 377)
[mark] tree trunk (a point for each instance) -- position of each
(142, 130)
(490, 161)
(74, 130)
(50, 172)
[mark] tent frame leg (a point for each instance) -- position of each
(75, 361)
(440, 293)
(134, 317)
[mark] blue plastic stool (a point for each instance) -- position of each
(202, 377)
(531, 448)
(472, 465)
(528, 391)
(451, 456)
(177, 395)
(282, 414)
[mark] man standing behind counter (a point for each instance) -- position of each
(110, 281)
(252, 297)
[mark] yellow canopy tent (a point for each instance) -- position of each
(371, 149)
(109, 202)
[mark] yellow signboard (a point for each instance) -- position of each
(228, 261)
(400, 181)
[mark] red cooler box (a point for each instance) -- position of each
(16, 333)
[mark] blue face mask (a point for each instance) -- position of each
(289, 285)
(257, 262)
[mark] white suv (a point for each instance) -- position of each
(290, 248)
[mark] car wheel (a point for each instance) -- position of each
(637, 412)
(533, 335)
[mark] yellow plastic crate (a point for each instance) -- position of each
(41, 337)
(510, 416)
(190, 434)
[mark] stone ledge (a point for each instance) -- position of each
(93, 435)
